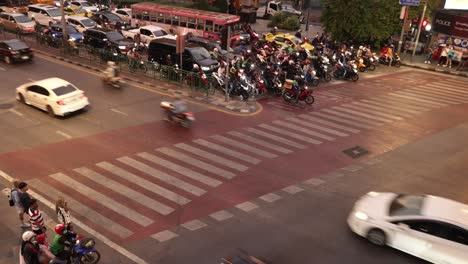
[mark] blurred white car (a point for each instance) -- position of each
(124, 13)
(81, 23)
(54, 95)
(429, 227)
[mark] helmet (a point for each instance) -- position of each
(59, 228)
(134, 49)
(41, 239)
(275, 28)
(196, 67)
(215, 50)
(392, 46)
(291, 62)
(28, 235)
(110, 63)
(361, 47)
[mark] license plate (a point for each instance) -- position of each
(24, 57)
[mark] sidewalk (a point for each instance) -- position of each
(418, 62)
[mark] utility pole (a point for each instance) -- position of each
(226, 79)
(404, 13)
(419, 28)
(64, 25)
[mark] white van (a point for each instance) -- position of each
(44, 14)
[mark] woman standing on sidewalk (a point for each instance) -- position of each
(430, 52)
(443, 56)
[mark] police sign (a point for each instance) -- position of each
(410, 2)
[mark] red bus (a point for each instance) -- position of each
(183, 21)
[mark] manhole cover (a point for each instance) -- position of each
(356, 152)
(6, 106)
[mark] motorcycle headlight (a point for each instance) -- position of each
(325, 67)
(205, 68)
(314, 72)
(354, 66)
(72, 39)
(122, 47)
(90, 244)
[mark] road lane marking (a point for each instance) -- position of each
(81, 209)
(353, 117)
(243, 146)
(145, 184)
(16, 112)
(85, 227)
(326, 129)
(118, 112)
(259, 142)
(270, 197)
(443, 93)
(2, 69)
(370, 116)
(341, 120)
(247, 206)
(414, 98)
(384, 113)
(448, 89)
(453, 86)
(197, 163)
(125, 191)
(221, 215)
(103, 200)
(63, 134)
(194, 225)
(164, 235)
(328, 123)
(425, 95)
(303, 130)
(314, 182)
(372, 102)
(372, 108)
(180, 169)
(274, 137)
(403, 103)
(235, 154)
(162, 176)
(290, 134)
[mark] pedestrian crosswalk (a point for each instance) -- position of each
(125, 194)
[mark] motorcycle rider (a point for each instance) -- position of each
(343, 61)
(111, 72)
(30, 248)
(178, 107)
(389, 55)
(298, 34)
(215, 54)
(61, 245)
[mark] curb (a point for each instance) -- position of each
(461, 74)
(206, 100)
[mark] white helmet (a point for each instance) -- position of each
(196, 67)
(360, 47)
(215, 50)
(28, 235)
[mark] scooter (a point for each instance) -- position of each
(290, 95)
(114, 82)
(184, 119)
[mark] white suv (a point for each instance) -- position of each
(44, 14)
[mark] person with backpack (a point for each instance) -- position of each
(30, 248)
(14, 200)
(24, 201)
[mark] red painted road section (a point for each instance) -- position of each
(267, 176)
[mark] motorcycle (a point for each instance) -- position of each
(305, 95)
(82, 252)
(322, 72)
(351, 72)
(395, 62)
(184, 119)
(311, 78)
(219, 81)
(115, 81)
(369, 62)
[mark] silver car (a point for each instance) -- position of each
(15, 22)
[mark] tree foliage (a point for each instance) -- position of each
(361, 21)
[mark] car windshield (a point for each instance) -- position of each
(18, 45)
(80, 11)
(71, 29)
(85, 4)
(297, 41)
(88, 23)
(113, 17)
(160, 33)
(69, 88)
(114, 35)
(200, 54)
(22, 19)
(54, 12)
(406, 205)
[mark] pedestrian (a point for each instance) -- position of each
(429, 52)
(35, 218)
(24, 201)
(15, 198)
(45, 255)
(29, 248)
(443, 55)
(450, 56)
(63, 214)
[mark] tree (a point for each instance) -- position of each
(361, 21)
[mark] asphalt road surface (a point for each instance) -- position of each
(276, 184)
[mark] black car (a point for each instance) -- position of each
(15, 50)
(107, 19)
(208, 44)
(103, 38)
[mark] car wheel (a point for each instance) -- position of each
(50, 111)
(7, 60)
(377, 237)
(21, 99)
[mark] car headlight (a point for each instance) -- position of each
(122, 47)
(354, 66)
(241, 37)
(205, 68)
(72, 39)
(361, 215)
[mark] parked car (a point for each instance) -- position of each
(84, 5)
(15, 50)
(147, 33)
(54, 95)
(107, 19)
(288, 40)
(429, 227)
(102, 38)
(65, 3)
(207, 43)
(70, 11)
(72, 32)
(81, 23)
(44, 14)
(15, 22)
(124, 13)
(159, 49)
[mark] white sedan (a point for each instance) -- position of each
(54, 95)
(429, 227)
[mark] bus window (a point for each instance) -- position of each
(218, 27)
(209, 26)
(183, 21)
(191, 22)
(154, 16)
(175, 21)
(138, 15)
(201, 24)
(160, 18)
(145, 16)
(167, 19)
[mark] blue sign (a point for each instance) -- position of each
(410, 2)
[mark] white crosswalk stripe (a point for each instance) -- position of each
(104, 200)
(415, 98)
(456, 86)
(311, 125)
(447, 88)
(196, 162)
(370, 116)
(125, 191)
(303, 130)
(425, 95)
(274, 137)
(384, 113)
(81, 209)
(373, 102)
(227, 151)
(290, 134)
(162, 176)
(259, 142)
(243, 146)
(180, 169)
(328, 123)
(448, 94)
(353, 117)
(420, 106)
(145, 184)
(212, 157)
(343, 121)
